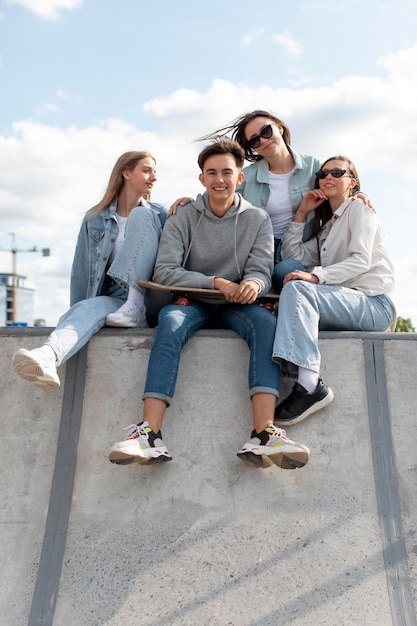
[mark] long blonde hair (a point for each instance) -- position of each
(126, 161)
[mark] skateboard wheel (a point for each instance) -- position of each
(182, 301)
(269, 306)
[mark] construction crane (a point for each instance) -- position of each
(14, 251)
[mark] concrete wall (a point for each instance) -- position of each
(206, 539)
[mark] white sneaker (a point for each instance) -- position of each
(141, 445)
(38, 366)
(132, 318)
(273, 446)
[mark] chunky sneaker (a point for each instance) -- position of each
(37, 366)
(132, 318)
(273, 446)
(300, 404)
(141, 445)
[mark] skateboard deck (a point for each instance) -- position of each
(208, 295)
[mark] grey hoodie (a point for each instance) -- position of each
(196, 246)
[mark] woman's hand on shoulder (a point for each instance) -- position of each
(366, 199)
(179, 202)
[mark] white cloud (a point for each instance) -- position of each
(287, 41)
(62, 94)
(47, 107)
(48, 9)
(49, 176)
(251, 37)
(401, 66)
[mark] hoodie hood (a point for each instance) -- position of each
(201, 204)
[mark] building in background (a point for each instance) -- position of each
(16, 301)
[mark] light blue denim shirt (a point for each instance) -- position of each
(95, 243)
(255, 187)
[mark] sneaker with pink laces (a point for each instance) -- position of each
(142, 445)
(273, 446)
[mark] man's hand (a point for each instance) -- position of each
(245, 293)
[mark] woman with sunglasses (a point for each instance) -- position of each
(349, 287)
(117, 243)
(276, 180)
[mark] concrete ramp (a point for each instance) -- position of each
(206, 539)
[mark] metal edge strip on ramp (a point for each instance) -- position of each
(56, 527)
(386, 487)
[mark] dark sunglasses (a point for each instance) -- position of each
(336, 173)
(266, 133)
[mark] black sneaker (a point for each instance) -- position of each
(300, 404)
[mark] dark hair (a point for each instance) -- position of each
(238, 126)
(222, 145)
(323, 213)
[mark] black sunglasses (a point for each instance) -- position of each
(266, 133)
(336, 173)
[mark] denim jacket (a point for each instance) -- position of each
(95, 243)
(255, 187)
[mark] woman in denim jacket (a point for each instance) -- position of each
(277, 178)
(117, 244)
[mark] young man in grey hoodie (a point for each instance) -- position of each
(218, 241)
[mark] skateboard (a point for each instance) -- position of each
(183, 295)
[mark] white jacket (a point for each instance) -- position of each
(347, 252)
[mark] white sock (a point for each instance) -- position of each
(308, 379)
(135, 299)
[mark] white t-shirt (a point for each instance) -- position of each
(120, 237)
(279, 205)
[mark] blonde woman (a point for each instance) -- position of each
(117, 244)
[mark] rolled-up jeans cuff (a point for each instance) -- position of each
(272, 391)
(157, 396)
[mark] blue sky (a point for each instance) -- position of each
(84, 80)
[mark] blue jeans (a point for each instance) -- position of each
(83, 320)
(281, 269)
(136, 259)
(137, 256)
(177, 324)
(305, 308)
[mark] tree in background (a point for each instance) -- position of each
(404, 325)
